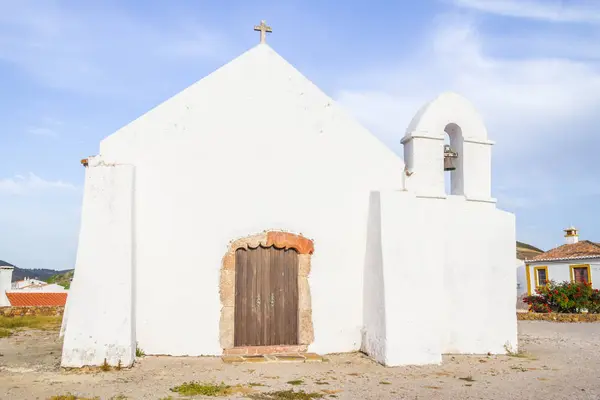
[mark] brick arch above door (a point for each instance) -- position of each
(280, 240)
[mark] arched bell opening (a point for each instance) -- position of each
(453, 160)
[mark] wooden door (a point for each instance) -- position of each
(266, 297)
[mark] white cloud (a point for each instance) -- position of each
(521, 100)
(47, 127)
(547, 10)
(101, 50)
(533, 108)
(22, 185)
(42, 131)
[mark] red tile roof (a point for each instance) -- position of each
(579, 250)
(25, 299)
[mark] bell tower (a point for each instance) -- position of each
(468, 156)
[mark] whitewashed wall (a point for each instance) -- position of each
(99, 313)
(480, 285)
(374, 331)
(5, 284)
(521, 278)
(559, 271)
(451, 291)
(403, 279)
(255, 146)
(252, 147)
(413, 259)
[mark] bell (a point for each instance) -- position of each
(449, 158)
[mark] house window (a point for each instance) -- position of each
(581, 274)
(541, 276)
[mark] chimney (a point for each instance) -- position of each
(571, 235)
(5, 284)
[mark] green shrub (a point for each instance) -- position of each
(565, 297)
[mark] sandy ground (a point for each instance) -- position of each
(563, 362)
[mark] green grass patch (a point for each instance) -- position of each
(209, 389)
(204, 389)
(518, 354)
(70, 396)
(9, 325)
(139, 352)
(105, 367)
(519, 368)
(286, 395)
(295, 382)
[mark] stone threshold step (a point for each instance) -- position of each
(272, 358)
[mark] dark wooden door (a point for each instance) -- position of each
(266, 297)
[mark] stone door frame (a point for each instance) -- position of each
(281, 240)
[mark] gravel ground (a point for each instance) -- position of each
(562, 361)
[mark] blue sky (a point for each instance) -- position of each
(73, 72)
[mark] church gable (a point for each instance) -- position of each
(250, 108)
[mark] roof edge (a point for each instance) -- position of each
(562, 259)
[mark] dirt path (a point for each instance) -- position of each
(564, 363)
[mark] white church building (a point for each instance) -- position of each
(297, 230)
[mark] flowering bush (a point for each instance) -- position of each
(565, 297)
(594, 303)
(537, 304)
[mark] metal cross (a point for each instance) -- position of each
(263, 28)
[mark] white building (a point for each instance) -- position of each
(6, 271)
(296, 229)
(524, 251)
(28, 292)
(574, 261)
(28, 283)
(46, 287)
(521, 278)
(32, 284)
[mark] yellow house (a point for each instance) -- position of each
(574, 261)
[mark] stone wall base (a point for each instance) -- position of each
(34, 310)
(556, 317)
(261, 350)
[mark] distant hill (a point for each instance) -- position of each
(63, 278)
(41, 274)
(527, 251)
